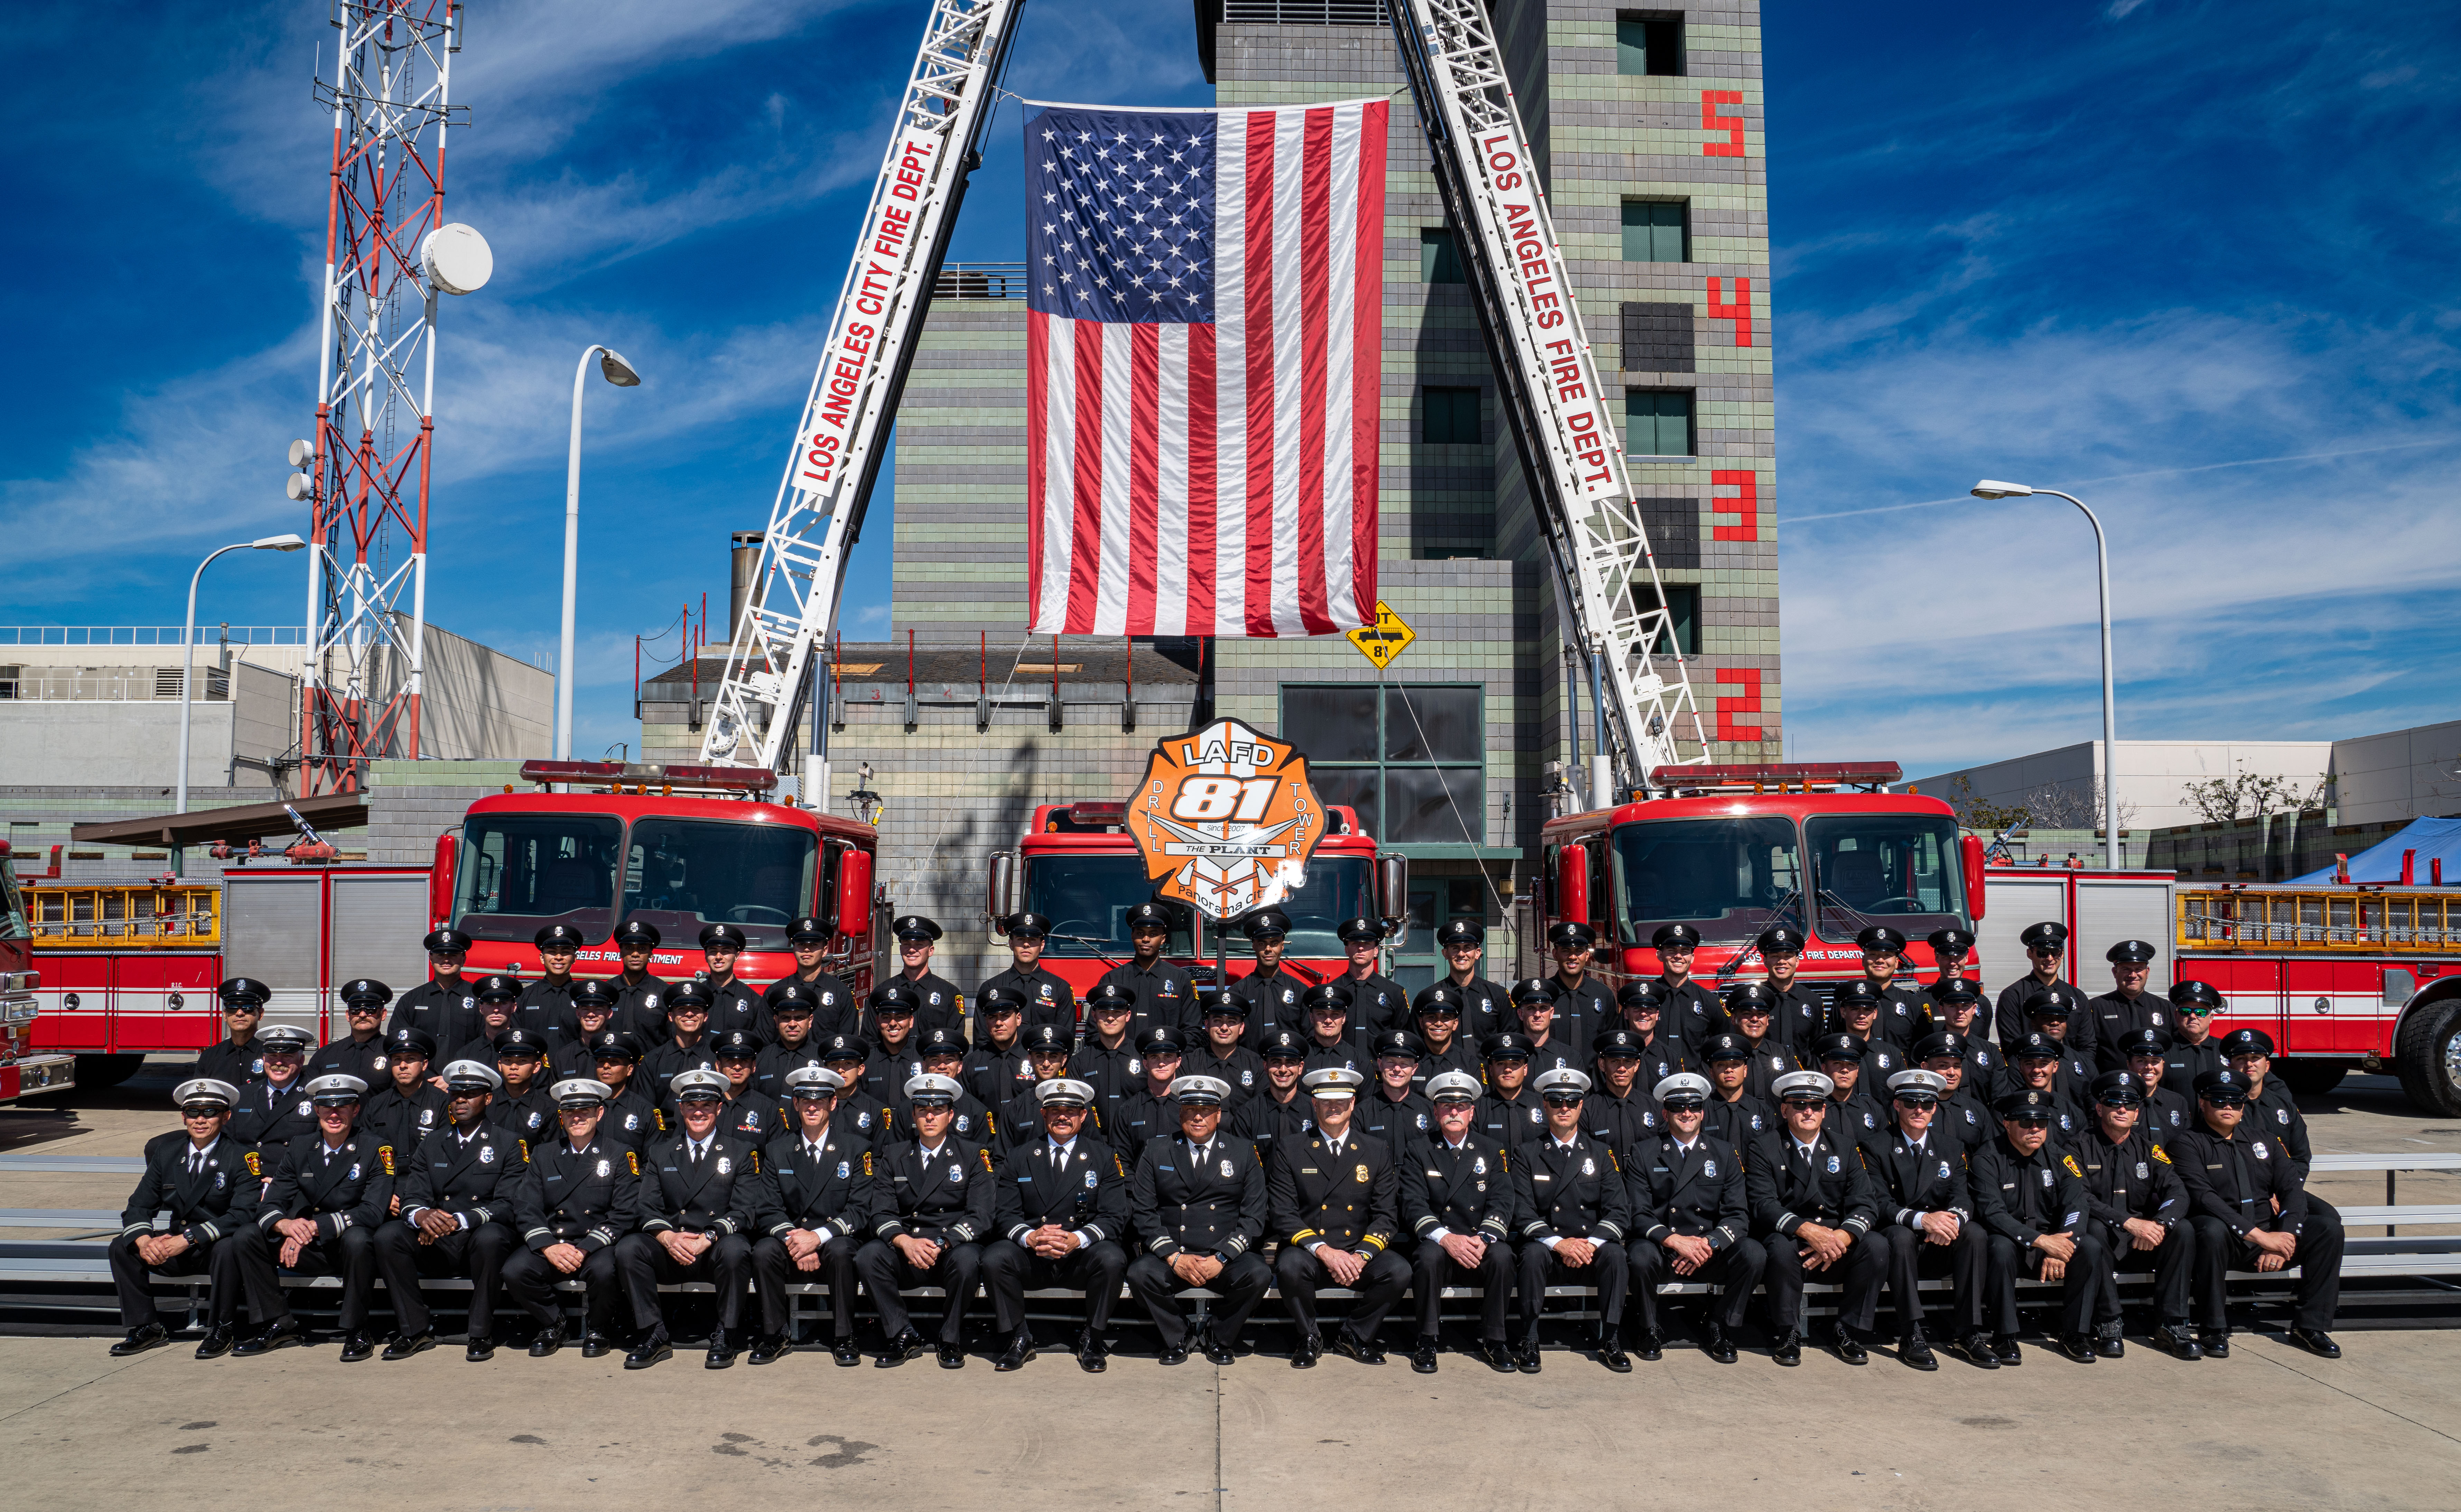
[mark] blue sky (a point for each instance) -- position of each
(2194, 261)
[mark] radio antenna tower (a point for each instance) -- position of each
(388, 253)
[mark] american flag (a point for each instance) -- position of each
(1203, 339)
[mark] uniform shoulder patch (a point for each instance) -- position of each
(1117, 1166)
(384, 1157)
(2070, 1162)
(255, 1166)
(525, 1150)
(984, 1154)
(660, 1115)
(867, 1163)
(632, 1158)
(2162, 1155)
(755, 1163)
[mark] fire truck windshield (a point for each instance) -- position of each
(1087, 899)
(519, 872)
(1337, 888)
(1725, 877)
(1901, 867)
(13, 907)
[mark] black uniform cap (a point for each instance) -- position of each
(1532, 990)
(688, 994)
(1160, 1038)
(592, 994)
(791, 1000)
(1027, 926)
(1750, 998)
(1579, 936)
(408, 1041)
(1215, 1002)
(1946, 1042)
(558, 937)
(1265, 923)
(916, 926)
(1615, 1042)
(2046, 1005)
(2246, 1042)
(1110, 995)
(736, 1044)
(2222, 1084)
(498, 988)
(1780, 941)
(845, 1047)
(895, 998)
(1358, 931)
(1506, 1046)
(1647, 992)
(1856, 993)
(1956, 989)
(2118, 1088)
(932, 1043)
(1674, 935)
(1283, 1044)
(2031, 1104)
(1951, 941)
(2195, 997)
(808, 930)
(367, 989)
(637, 934)
(613, 1044)
(1837, 1047)
(2037, 1046)
(245, 990)
(2047, 936)
(446, 940)
(1395, 1042)
(1045, 1037)
(1880, 937)
(2144, 1042)
(1325, 994)
(721, 937)
(1725, 1047)
(1000, 1000)
(1438, 1000)
(1148, 916)
(1460, 932)
(2131, 952)
(520, 1042)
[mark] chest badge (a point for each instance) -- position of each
(725, 1166)
(956, 1173)
(1092, 1180)
(354, 1170)
(845, 1168)
(1709, 1168)
(1944, 1170)
(486, 1155)
(1226, 1168)
(1833, 1166)
(2144, 1172)
(1135, 1067)
(379, 1062)
(1478, 1167)
(2262, 1153)
(2047, 1177)
(605, 1169)
(1359, 1174)
(1589, 1167)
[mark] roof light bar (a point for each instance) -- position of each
(721, 778)
(1759, 776)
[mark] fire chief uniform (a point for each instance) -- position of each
(1205, 1200)
(205, 1196)
(1570, 1191)
(472, 1177)
(1345, 1192)
(826, 1190)
(1790, 1183)
(711, 1188)
(1083, 1189)
(1464, 1188)
(588, 1197)
(946, 1197)
(1695, 1190)
(346, 1189)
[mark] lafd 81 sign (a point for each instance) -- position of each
(1225, 818)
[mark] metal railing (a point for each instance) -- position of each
(2325, 921)
(122, 917)
(1307, 13)
(142, 684)
(979, 280)
(150, 634)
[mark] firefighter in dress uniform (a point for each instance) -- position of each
(457, 1215)
(2136, 1194)
(2030, 1194)
(1576, 1213)
(1457, 1198)
(1336, 1201)
(236, 1056)
(1927, 1221)
(2251, 1212)
(1061, 1207)
(1048, 999)
(446, 1006)
(937, 1209)
(1163, 994)
(700, 1192)
(1690, 1218)
(580, 1195)
(1813, 1209)
(938, 1002)
(1483, 1007)
(330, 1192)
(734, 1004)
(822, 1203)
(201, 1186)
(1198, 1205)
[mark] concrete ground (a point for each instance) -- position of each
(2380, 1428)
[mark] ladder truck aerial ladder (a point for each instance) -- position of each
(1563, 429)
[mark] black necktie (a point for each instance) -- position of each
(195, 1162)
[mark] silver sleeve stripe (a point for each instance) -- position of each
(133, 1229)
(1657, 1231)
(654, 1224)
(1424, 1224)
(1727, 1231)
(891, 1229)
(1237, 1245)
(1858, 1224)
(962, 1230)
(211, 1230)
(1533, 1229)
(727, 1223)
(533, 1233)
(1096, 1230)
(1022, 1228)
(605, 1236)
(1611, 1228)
(844, 1228)
(1160, 1243)
(781, 1231)
(1786, 1220)
(1498, 1225)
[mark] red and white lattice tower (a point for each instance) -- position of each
(388, 254)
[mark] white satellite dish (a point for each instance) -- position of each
(457, 259)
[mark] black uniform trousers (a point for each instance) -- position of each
(1736, 1269)
(885, 1269)
(774, 1270)
(350, 1254)
(645, 1264)
(2083, 1280)
(1433, 1270)
(2172, 1263)
(1862, 1268)
(130, 1274)
(2315, 1297)
(1010, 1269)
(478, 1252)
(1609, 1271)
(1913, 1259)
(530, 1279)
(1241, 1284)
(1379, 1287)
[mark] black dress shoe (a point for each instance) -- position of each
(596, 1346)
(1021, 1350)
(952, 1357)
(1213, 1349)
(842, 1351)
(2004, 1345)
(2109, 1346)
(1309, 1350)
(1497, 1354)
(1651, 1345)
(550, 1340)
(482, 1347)
(402, 1346)
(765, 1350)
(1789, 1350)
(1976, 1349)
(1916, 1351)
(2215, 1343)
(2078, 1347)
(1423, 1355)
(1363, 1350)
(1611, 1355)
(1716, 1345)
(152, 1336)
(2316, 1342)
(721, 1351)
(217, 1342)
(1848, 1348)
(1174, 1354)
(2176, 1342)
(357, 1346)
(906, 1346)
(1093, 1355)
(1525, 1357)
(279, 1334)
(653, 1347)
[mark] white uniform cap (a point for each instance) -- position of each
(1200, 1091)
(931, 1087)
(575, 1092)
(1919, 1080)
(1333, 1082)
(1681, 1084)
(337, 1088)
(461, 1072)
(205, 1089)
(1066, 1092)
(1453, 1084)
(1562, 1079)
(1794, 1082)
(813, 1079)
(700, 1078)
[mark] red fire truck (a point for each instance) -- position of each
(1079, 867)
(23, 1071)
(1821, 847)
(130, 970)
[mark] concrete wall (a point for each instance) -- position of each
(2402, 775)
(95, 744)
(2152, 774)
(480, 704)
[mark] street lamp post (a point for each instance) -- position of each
(1992, 488)
(622, 375)
(188, 644)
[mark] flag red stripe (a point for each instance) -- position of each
(1038, 417)
(1201, 463)
(1144, 435)
(1085, 548)
(1260, 313)
(1316, 195)
(1366, 360)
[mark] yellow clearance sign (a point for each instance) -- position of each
(1225, 818)
(1385, 639)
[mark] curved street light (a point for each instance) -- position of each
(188, 644)
(624, 375)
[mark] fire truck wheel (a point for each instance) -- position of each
(96, 1073)
(2428, 1058)
(2313, 1078)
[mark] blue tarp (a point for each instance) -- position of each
(2430, 838)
